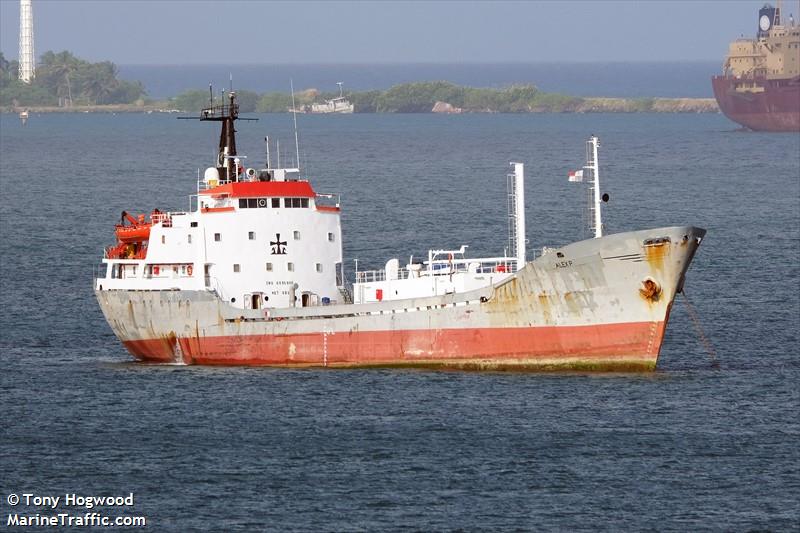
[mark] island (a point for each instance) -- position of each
(65, 83)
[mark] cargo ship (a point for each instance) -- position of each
(252, 274)
(760, 83)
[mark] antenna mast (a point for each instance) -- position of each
(27, 57)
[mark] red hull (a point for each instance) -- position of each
(777, 108)
(610, 346)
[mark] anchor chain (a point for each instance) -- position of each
(699, 330)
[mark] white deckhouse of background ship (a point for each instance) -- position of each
(253, 274)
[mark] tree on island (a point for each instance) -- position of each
(9, 70)
(63, 79)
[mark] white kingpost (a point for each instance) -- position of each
(519, 212)
(294, 115)
(598, 219)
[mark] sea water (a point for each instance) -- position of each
(240, 449)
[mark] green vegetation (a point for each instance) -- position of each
(65, 80)
(406, 98)
(419, 97)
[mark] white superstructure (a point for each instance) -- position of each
(449, 271)
(264, 239)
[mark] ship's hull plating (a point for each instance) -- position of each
(590, 309)
(775, 108)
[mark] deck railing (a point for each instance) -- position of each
(444, 267)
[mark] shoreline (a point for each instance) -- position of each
(585, 105)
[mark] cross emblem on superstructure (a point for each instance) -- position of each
(278, 246)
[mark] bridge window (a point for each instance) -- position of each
(252, 203)
(269, 267)
(242, 203)
(193, 224)
(318, 267)
(236, 267)
(251, 235)
(276, 202)
(217, 237)
(295, 202)
(296, 235)
(290, 267)
(331, 237)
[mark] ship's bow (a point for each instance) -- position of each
(599, 304)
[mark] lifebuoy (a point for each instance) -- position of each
(189, 270)
(155, 270)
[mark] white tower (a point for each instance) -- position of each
(27, 58)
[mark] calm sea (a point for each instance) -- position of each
(631, 80)
(686, 448)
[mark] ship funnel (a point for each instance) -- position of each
(768, 17)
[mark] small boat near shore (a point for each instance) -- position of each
(339, 105)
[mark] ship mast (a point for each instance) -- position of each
(227, 114)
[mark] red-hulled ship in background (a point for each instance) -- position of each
(760, 84)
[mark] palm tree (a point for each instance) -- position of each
(98, 81)
(56, 69)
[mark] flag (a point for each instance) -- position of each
(576, 175)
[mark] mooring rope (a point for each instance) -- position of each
(699, 330)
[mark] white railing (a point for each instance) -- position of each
(444, 267)
(328, 196)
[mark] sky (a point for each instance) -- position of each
(147, 32)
